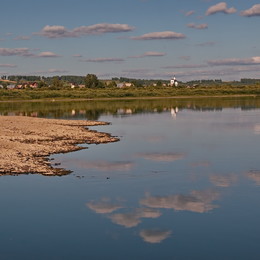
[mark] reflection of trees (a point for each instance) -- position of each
(94, 109)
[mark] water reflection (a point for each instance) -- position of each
(223, 180)
(177, 189)
(100, 165)
(92, 110)
(162, 157)
(255, 176)
(104, 206)
(132, 219)
(154, 235)
(196, 201)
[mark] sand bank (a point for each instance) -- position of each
(26, 142)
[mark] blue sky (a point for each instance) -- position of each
(154, 39)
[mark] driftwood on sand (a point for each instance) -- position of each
(26, 142)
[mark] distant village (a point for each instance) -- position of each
(91, 81)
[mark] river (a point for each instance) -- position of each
(183, 182)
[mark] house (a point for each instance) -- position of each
(34, 85)
(124, 85)
(11, 86)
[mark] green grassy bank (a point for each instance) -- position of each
(87, 93)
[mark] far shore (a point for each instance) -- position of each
(27, 142)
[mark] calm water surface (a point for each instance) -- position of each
(182, 183)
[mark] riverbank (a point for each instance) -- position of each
(120, 93)
(26, 142)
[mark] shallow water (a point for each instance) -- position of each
(183, 182)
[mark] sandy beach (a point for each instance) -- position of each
(26, 142)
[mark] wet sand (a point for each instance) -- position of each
(26, 142)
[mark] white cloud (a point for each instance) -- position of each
(189, 13)
(150, 54)
(47, 54)
(198, 26)
(235, 61)
(8, 65)
(206, 44)
(186, 66)
(22, 38)
(166, 35)
(101, 60)
(25, 52)
(220, 8)
(154, 236)
(58, 31)
(253, 11)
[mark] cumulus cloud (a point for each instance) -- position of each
(50, 71)
(22, 38)
(132, 219)
(197, 201)
(167, 35)
(102, 60)
(24, 52)
(8, 65)
(58, 31)
(150, 54)
(220, 8)
(235, 61)
(104, 206)
(206, 44)
(189, 13)
(154, 236)
(77, 56)
(198, 26)
(163, 157)
(186, 66)
(253, 11)
(47, 54)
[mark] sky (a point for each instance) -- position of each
(145, 39)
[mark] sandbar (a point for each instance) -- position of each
(27, 142)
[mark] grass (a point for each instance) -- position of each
(36, 94)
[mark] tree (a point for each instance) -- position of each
(91, 81)
(56, 83)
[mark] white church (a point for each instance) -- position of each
(173, 82)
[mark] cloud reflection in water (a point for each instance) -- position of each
(196, 201)
(154, 236)
(255, 176)
(132, 219)
(162, 157)
(104, 206)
